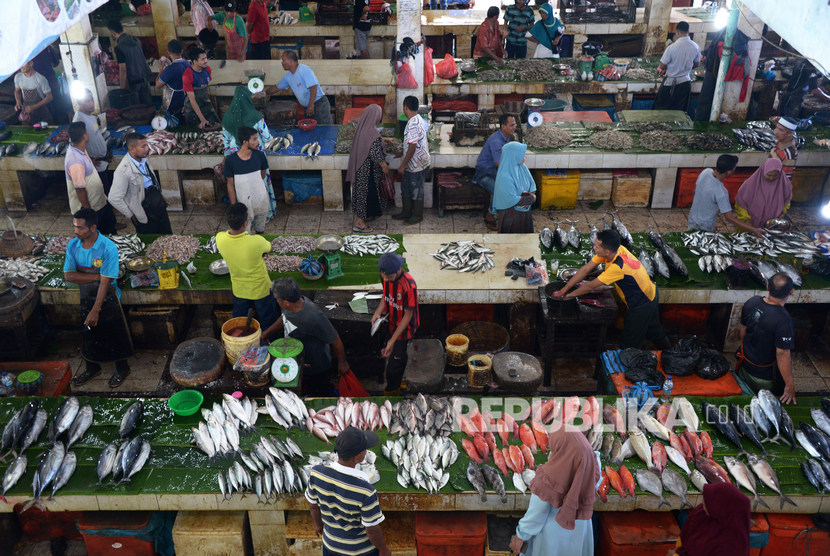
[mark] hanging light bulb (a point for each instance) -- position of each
(825, 211)
(76, 88)
(721, 18)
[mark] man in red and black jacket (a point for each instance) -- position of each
(400, 300)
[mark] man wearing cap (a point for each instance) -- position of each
(344, 504)
(307, 323)
(400, 301)
(785, 148)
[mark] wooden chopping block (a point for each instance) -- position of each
(526, 371)
(197, 362)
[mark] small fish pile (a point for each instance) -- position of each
(279, 143)
(328, 458)
(636, 74)
(282, 263)
(57, 244)
(669, 255)
(645, 127)
(532, 70)
(47, 148)
(762, 139)
(480, 475)
(423, 415)
(708, 142)
(293, 244)
(210, 246)
(218, 434)
(161, 142)
(283, 18)
(660, 141)
(274, 474)
(128, 245)
(55, 468)
(286, 408)
(464, 256)
(792, 243)
(178, 247)
(611, 140)
(25, 268)
(376, 244)
(702, 243)
(347, 132)
(547, 136)
(421, 461)
(191, 142)
(596, 126)
(343, 146)
(330, 421)
(495, 75)
(311, 150)
(714, 263)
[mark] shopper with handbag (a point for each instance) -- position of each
(546, 33)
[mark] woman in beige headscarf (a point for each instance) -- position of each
(558, 518)
(367, 164)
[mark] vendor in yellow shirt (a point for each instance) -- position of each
(250, 283)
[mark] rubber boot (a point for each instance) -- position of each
(417, 213)
(406, 211)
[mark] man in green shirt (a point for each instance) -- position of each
(236, 36)
(250, 283)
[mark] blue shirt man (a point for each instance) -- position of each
(487, 165)
(101, 258)
(142, 169)
(306, 88)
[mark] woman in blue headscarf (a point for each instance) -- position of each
(546, 32)
(514, 191)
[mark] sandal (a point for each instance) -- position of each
(366, 230)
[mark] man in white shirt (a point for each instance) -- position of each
(678, 60)
(415, 164)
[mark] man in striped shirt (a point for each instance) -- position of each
(518, 19)
(785, 146)
(400, 299)
(344, 505)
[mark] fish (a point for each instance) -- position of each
(80, 425)
(541, 436)
(12, 475)
(818, 439)
(658, 455)
(463, 256)
(482, 447)
(806, 444)
(627, 479)
(746, 426)
(708, 448)
(676, 484)
(476, 478)
(47, 470)
(516, 458)
(10, 433)
(34, 431)
(129, 456)
(592, 235)
(501, 463)
(30, 148)
(687, 413)
(745, 478)
(790, 271)
(768, 476)
(607, 444)
(604, 486)
(821, 419)
(677, 458)
(693, 440)
(613, 418)
(519, 483)
(528, 438)
(64, 416)
(647, 263)
(814, 472)
(560, 238)
(492, 477)
(651, 483)
(546, 237)
(698, 479)
(616, 449)
(654, 426)
(528, 456)
(682, 447)
(574, 237)
(143, 456)
(625, 235)
(131, 419)
(771, 407)
(660, 265)
(67, 468)
(760, 418)
(626, 451)
(641, 448)
(24, 420)
(711, 470)
(616, 481)
(106, 462)
(722, 423)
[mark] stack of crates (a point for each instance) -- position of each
(631, 188)
(557, 189)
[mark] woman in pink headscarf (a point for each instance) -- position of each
(765, 195)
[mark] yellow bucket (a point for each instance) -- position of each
(235, 345)
(479, 367)
(456, 347)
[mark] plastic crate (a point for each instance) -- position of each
(795, 535)
(362, 101)
(637, 533)
(115, 533)
(588, 103)
(595, 185)
(631, 188)
(556, 189)
(687, 181)
(450, 533)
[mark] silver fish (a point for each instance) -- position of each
(16, 470)
(814, 472)
(759, 417)
(641, 447)
(821, 419)
(790, 271)
(106, 461)
(33, 433)
(560, 238)
(574, 237)
(802, 439)
(744, 478)
(698, 479)
(651, 483)
(476, 478)
(647, 263)
(660, 265)
(771, 407)
(80, 425)
(546, 237)
(131, 419)
(65, 472)
(677, 458)
(63, 418)
(625, 235)
(592, 235)
(676, 484)
(30, 148)
(519, 483)
(768, 476)
(49, 466)
(143, 456)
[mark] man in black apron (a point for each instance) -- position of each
(198, 108)
(92, 263)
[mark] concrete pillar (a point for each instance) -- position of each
(165, 19)
(171, 189)
(664, 182)
(749, 24)
(409, 25)
(78, 39)
(268, 532)
(657, 14)
(332, 189)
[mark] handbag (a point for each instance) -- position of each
(387, 188)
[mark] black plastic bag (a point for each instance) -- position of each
(712, 365)
(641, 366)
(650, 376)
(683, 359)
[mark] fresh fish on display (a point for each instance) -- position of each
(768, 476)
(30, 148)
(161, 142)
(106, 462)
(476, 478)
(744, 477)
(625, 235)
(687, 413)
(698, 479)
(546, 237)
(131, 419)
(759, 417)
(676, 484)
(15, 430)
(63, 418)
(12, 475)
(818, 439)
(34, 430)
(377, 244)
(174, 247)
(560, 238)
(210, 246)
(574, 237)
(67, 468)
(746, 426)
(771, 407)
(790, 271)
(676, 457)
(464, 256)
(660, 265)
(670, 256)
(647, 263)
(651, 483)
(80, 425)
(47, 470)
(821, 419)
(756, 138)
(714, 263)
(25, 268)
(592, 235)
(805, 443)
(641, 448)
(712, 470)
(722, 423)
(815, 474)
(129, 245)
(311, 150)
(493, 479)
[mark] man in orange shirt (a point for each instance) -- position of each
(489, 39)
(635, 288)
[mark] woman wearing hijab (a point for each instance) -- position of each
(547, 32)
(765, 195)
(558, 517)
(367, 164)
(719, 526)
(241, 113)
(514, 191)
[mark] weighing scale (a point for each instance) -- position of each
(534, 111)
(287, 366)
(330, 259)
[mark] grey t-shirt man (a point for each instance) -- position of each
(710, 199)
(680, 57)
(97, 147)
(316, 333)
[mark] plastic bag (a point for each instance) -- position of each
(641, 366)
(712, 365)
(252, 359)
(405, 78)
(429, 69)
(536, 273)
(446, 68)
(144, 279)
(350, 386)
